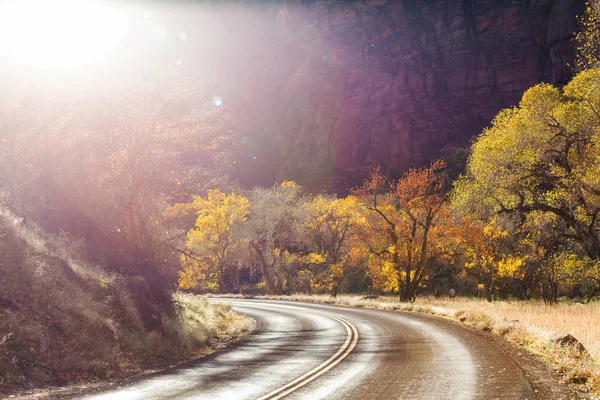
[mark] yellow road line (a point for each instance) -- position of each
(347, 347)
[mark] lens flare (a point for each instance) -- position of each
(217, 101)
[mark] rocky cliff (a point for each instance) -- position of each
(325, 90)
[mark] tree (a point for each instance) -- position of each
(329, 225)
(106, 176)
(273, 233)
(158, 149)
(490, 251)
(542, 160)
(407, 227)
(575, 271)
(212, 242)
(588, 38)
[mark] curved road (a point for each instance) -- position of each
(312, 351)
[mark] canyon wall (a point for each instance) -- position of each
(325, 90)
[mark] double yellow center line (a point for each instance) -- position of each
(347, 347)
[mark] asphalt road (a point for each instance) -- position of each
(311, 351)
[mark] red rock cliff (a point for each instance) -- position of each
(330, 89)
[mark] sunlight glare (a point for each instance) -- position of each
(59, 34)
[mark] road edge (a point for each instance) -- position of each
(539, 374)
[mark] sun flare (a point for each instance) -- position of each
(59, 34)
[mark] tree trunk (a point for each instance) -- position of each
(593, 294)
(236, 277)
(335, 286)
(266, 275)
(413, 290)
(221, 282)
(288, 279)
(334, 290)
(490, 289)
(407, 292)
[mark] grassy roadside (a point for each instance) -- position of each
(529, 324)
(198, 329)
(65, 320)
(208, 323)
(202, 328)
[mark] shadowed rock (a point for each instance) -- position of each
(570, 340)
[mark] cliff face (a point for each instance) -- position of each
(331, 89)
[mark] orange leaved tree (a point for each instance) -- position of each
(406, 228)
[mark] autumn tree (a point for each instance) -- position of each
(211, 244)
(273, 233)
(574, 271)
(329, 224)
(157, 151)
(588, 38)
(541, 160)
(490, 249)
(407, 227)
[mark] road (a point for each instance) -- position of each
(312, 351)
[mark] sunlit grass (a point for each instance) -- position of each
(581, 321)
(206, 321)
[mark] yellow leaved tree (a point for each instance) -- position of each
(211, 244)
(329, 224)
(540, 162)
(489, 251)
(588, 38)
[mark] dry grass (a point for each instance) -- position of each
(530, 324)
(546, 321)
(205, 322)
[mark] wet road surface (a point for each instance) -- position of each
(313, 351)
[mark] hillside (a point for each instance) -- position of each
(63, 320)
